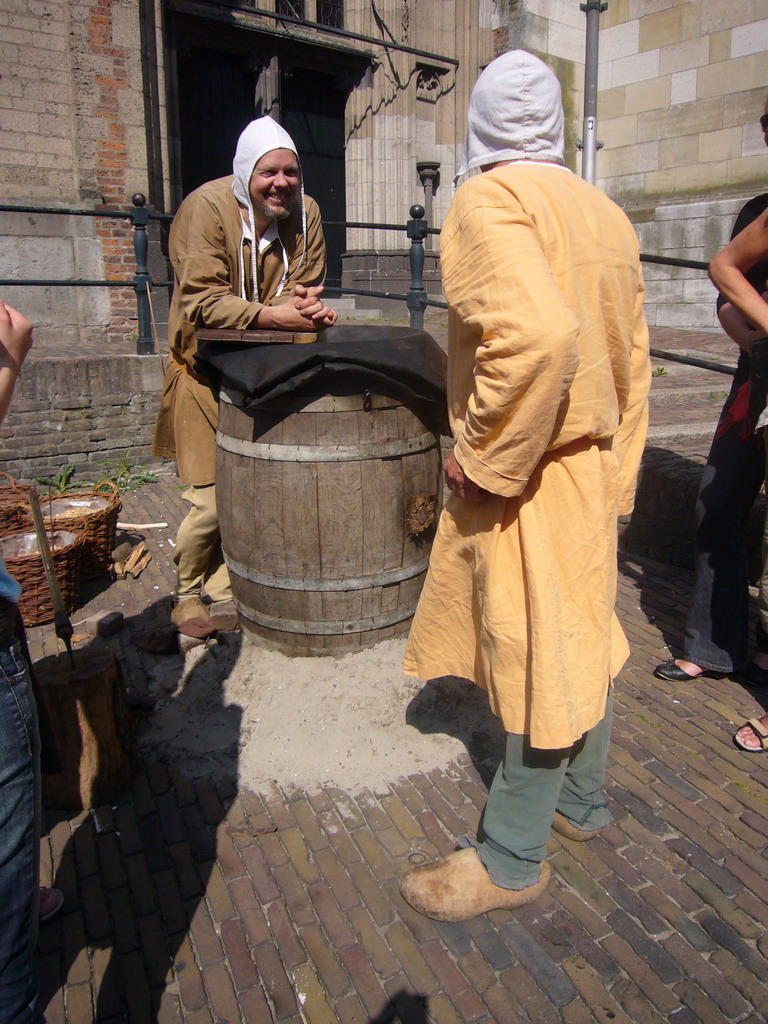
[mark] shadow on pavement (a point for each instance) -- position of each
(459, 708)
(404, 1007)
(135, 874)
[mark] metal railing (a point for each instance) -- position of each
(416, 299)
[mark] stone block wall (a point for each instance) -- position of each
(682, 87)
(80, 412)
(678, 297)
(388, 272)
(410, 108)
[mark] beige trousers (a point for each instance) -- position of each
(198, 558)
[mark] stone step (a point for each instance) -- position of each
(666, 433)
(346, 307)
(356, 314)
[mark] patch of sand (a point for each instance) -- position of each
(352, 720)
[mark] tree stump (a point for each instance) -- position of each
(90, 718)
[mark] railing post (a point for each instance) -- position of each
(417, 296)
(139, 220)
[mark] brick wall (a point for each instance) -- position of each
(72, 135)
(677, 297)
(80, 412)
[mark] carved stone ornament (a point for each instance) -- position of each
(429, 83)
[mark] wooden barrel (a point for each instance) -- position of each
(327, 507)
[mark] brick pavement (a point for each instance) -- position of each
(199, 902)
(196, 901)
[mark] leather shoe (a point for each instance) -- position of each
(671, 670)
(756, 676)
(189, 608)
(458, 887)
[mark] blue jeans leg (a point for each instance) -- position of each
(19, 839)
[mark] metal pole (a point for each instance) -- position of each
(417, 296)
(140, 219)
(589, 144)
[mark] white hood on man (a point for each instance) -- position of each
(258, 138)
(515, 113)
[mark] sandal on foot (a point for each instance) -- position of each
(672, 672)
(760, 732)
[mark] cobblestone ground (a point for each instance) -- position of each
(204, 903)
(198, 902)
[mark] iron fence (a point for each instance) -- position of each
(416, 299)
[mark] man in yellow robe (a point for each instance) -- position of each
(548, 379)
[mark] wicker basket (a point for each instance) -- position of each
(13, 502)
(24, 562)
(96, 512)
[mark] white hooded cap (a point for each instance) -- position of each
(515, 113)
(258, 138)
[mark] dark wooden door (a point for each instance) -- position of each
(216, 101)
(312, 112)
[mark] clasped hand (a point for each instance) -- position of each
(460, 484)
(303, 311)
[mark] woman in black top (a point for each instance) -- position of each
(717, 625)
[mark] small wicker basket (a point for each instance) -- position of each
(96, 511)
(13, 502)
(22, 558)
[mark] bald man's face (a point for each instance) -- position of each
(275, 183)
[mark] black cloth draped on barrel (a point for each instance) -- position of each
(401, 363)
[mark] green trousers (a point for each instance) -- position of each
(529, 786)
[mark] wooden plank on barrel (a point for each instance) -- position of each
(269, 555)
(378, 526)
(301, 529)
(228, 532)
(340, 516)
(245, 497)
(377, 423)
(382, 504)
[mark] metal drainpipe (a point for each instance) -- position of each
(141, 281)
(429, 175)
(589, 144)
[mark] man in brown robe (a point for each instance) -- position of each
(248, 253)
